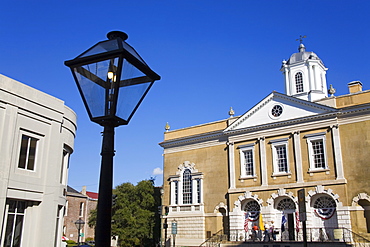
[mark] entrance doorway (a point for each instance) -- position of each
(291, 226)
(287, 208)
(365, 204)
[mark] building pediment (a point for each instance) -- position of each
(278, 107)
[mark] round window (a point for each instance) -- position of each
(276, 110)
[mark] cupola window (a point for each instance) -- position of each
(299, 82)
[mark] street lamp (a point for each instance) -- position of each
(79, 224)
(113, 80)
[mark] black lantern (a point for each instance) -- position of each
(79, 224)
(113, 80)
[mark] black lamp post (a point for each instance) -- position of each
(79, 224)
(113, 80)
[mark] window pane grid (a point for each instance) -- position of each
(198, 190)
(318, 154)
(176, 192)
(285, 203)
(31, 154)
(248, 162)
(281, 159)
(187, 188)
(27, 153)
(14, 223)
(299, 82)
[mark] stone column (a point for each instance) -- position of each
(231, 165)
(262, 148)
(298, 156)
(288, 85)
(337, 151)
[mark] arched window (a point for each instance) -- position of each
(285, 203)
(252, 209)
(324, 202)
(252, 206)
(299, 82)
(365, 204)
(324, 207)
(187, 188)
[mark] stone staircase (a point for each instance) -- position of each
(285, 244)
(346, 239)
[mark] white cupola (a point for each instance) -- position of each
(305, 75)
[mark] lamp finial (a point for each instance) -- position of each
(117, 34)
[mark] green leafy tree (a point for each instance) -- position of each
(133, 214)
(92, 218)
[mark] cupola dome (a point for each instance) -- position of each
(305, 75)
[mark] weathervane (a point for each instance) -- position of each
(301, 38)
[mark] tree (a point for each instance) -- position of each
(133, 214)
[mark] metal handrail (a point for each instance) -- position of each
(317, 234)
(215, 239)
(357, 239)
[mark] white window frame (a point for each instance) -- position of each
(27, 155)
(187, 188)
(274, 145)
(176, 192)
(16, 213)
(38, 151)
(66, 208)
(301, 84)
(65, 165)
(271, 114)
(242, 150)
(310, 138)
(176, 188)
(198, 191)
(82, 209)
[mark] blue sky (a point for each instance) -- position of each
(211, 55)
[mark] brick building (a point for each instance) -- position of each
(79, 206)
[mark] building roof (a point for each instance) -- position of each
(92, 195)
(73, 192)
(303, 55)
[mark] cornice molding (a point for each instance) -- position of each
(287, 186)
(295, 125)
(269, 98)
(227, 137)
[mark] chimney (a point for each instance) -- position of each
(355, 87)
(83, 192)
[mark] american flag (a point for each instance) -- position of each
(297, 221)
(246, 221)
(283, 221)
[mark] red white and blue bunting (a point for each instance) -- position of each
(325, 213)
(253, 215)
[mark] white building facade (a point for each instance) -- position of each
(37, 134)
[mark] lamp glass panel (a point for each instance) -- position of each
(101, 47)
(133, 86)
(132, 51)
(96, 86)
